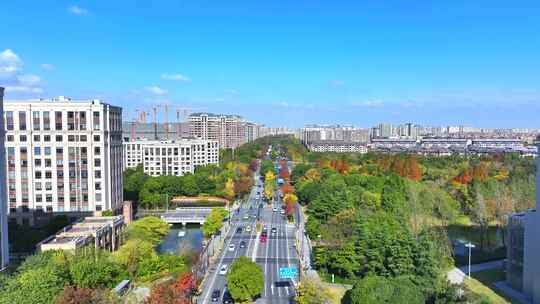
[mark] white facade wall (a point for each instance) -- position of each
(170, 157)
(63, 155)
(4, 246)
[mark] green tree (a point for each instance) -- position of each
(245, 280)
(94, 270)
(151, 193)
(133, 254)
(150, 228)
(214, 221)
(134, 180)
(380, 290)
(190, 187)
(312, 292)
(34, 286)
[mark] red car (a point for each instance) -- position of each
(263, 238)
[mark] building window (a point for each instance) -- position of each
(22, 121)
(37, 162)
(49, 208)
(9, 120)
(48, 198)
(97, 151)
(97, 174)
(96, 120)
(48, 174)
(46, 121)
(35, 120)
(71, 138)
(38, 174)
(37, 138)
(97, 162)
(22, 138)
(98, 197)
(10, 138)
(38, 186)
(39, 198)
(96, 137)
(98, 186)
(58, 120)
(48, 186)
(83, 138)
(59, 138)
(46, 138)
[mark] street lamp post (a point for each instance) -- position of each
(470, 246)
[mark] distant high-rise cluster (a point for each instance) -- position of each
(413, 138)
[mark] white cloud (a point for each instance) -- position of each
(24, 89)
(47, 66)
(337, 83)
(12, 77)
(220, 99)
(77, 10)
(9, 62)
(175, 77)
(283, 104)
(156, 90)
(29, 80)
(368, 103)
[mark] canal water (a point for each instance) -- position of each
(173, 243)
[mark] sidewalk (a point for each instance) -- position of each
(457, 275)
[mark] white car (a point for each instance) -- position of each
(274, 209)
(248, 228)
(231, 247)
(282, 211)
(223, 269)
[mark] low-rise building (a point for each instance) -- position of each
(173, 157)
(337, 146)
(103, 232)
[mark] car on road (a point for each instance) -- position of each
(239, 230)
(231, 247)
(242, 244)
(223, 269)
(216, 295)
(263, 238)
(248, 228)
(246, 216)
(274, 209)
(227, 298)
(282, 211)
(274, 230)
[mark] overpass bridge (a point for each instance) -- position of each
(186, 216)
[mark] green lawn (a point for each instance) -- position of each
(481, 283)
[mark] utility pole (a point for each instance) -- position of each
(470, 246)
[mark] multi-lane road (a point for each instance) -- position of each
(277, 252)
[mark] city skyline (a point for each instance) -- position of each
(303, 62)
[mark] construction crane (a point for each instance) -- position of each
(155, 122)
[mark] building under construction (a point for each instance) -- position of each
(140, 130)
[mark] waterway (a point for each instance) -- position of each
(190, 242)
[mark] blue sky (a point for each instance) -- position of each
(284, 62)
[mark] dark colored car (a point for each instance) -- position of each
(216, 295)
(239, 230)
(227, 298)
(242, 244)
(274, 230)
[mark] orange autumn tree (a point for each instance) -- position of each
(179, 292)
(290, 203)
(287, 189)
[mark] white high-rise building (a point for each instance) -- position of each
(4, 247)
(173, 157)
(63, 156)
